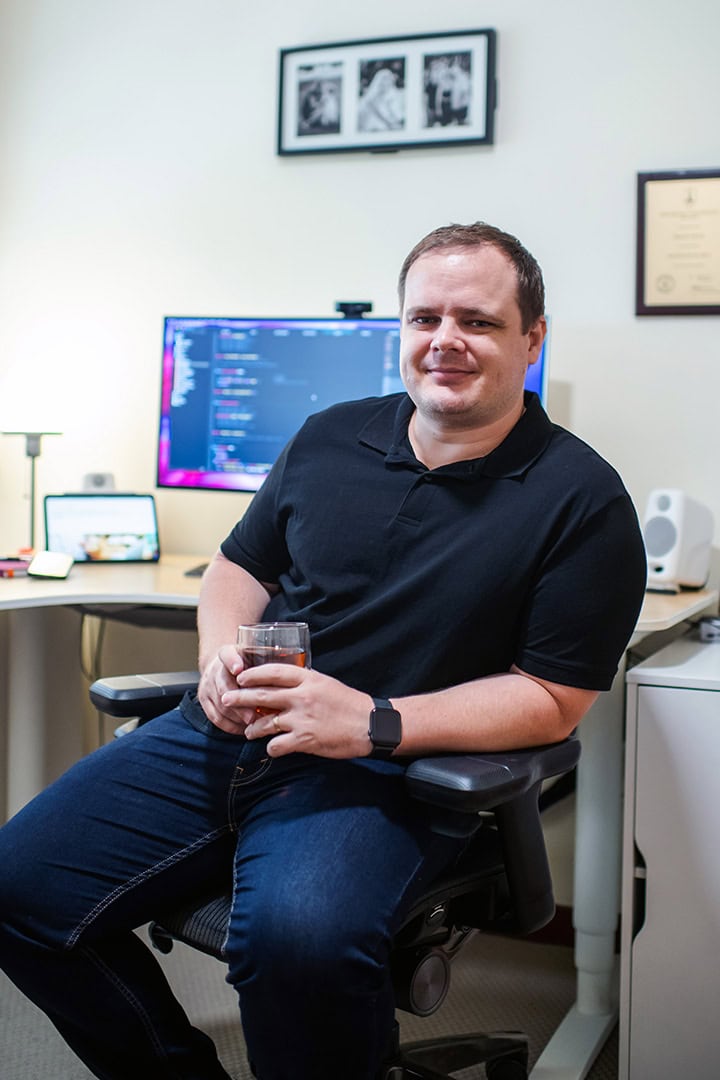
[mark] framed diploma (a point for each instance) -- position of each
(678, 243)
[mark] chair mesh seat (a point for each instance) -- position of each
(202, 924)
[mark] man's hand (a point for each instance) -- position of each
(228, 595)
(219, 677)
(303, 711)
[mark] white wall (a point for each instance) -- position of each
(138, 178)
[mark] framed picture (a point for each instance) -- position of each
(388, 93)
(678, 243)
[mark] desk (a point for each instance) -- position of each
(573, 1048)
(30, 661)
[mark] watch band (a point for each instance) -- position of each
(385, 730)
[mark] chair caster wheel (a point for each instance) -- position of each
(506, 1069)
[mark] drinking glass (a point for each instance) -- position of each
(274, 643)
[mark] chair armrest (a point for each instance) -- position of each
(143, 696)
(474, 782)
(509, 784)
(465, 782)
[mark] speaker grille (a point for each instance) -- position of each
(660, 536)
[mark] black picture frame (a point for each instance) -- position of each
(388, 94)
(678, 242)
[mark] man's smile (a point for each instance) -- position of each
(449, 374)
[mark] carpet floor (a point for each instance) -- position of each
(496, 984)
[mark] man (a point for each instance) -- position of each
(455, 554)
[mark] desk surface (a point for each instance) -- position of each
(162, 583)
(165, 584)
(661, 611)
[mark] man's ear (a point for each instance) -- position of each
(536, 336)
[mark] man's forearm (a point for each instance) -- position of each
(228, 596)
(499, 712)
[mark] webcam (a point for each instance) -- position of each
(353, 309)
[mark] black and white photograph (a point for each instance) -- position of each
(448, 89)
(388, 93)
(381, 105)
(319, 92)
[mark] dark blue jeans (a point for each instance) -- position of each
(326, 856)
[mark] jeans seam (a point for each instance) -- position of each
(233, 787)
(226, 938)
(236, 784)
(263, 766)
(120, 890)
(144, 1017)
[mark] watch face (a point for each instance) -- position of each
(385, 727)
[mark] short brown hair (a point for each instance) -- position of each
(530, 286)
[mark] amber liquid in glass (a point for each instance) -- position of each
(273, 654)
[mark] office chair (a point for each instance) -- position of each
(501, 884)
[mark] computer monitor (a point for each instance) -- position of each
(234, 390)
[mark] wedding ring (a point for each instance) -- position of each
(275, 724)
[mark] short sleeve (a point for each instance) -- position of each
(257, 542)
(584, 608)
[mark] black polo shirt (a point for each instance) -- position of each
(415, 579)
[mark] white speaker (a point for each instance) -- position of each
(678, 534)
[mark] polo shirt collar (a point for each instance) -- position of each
(387, 432)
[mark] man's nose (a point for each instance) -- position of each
(447, 336)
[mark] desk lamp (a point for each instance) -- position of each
(33, 443)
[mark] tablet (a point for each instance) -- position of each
(102, 528)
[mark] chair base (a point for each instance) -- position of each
(503, 1053)
(202, 924)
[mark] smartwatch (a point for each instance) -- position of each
(385, 729)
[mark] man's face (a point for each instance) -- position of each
(463, 354)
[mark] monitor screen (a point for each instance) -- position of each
(235, 390)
